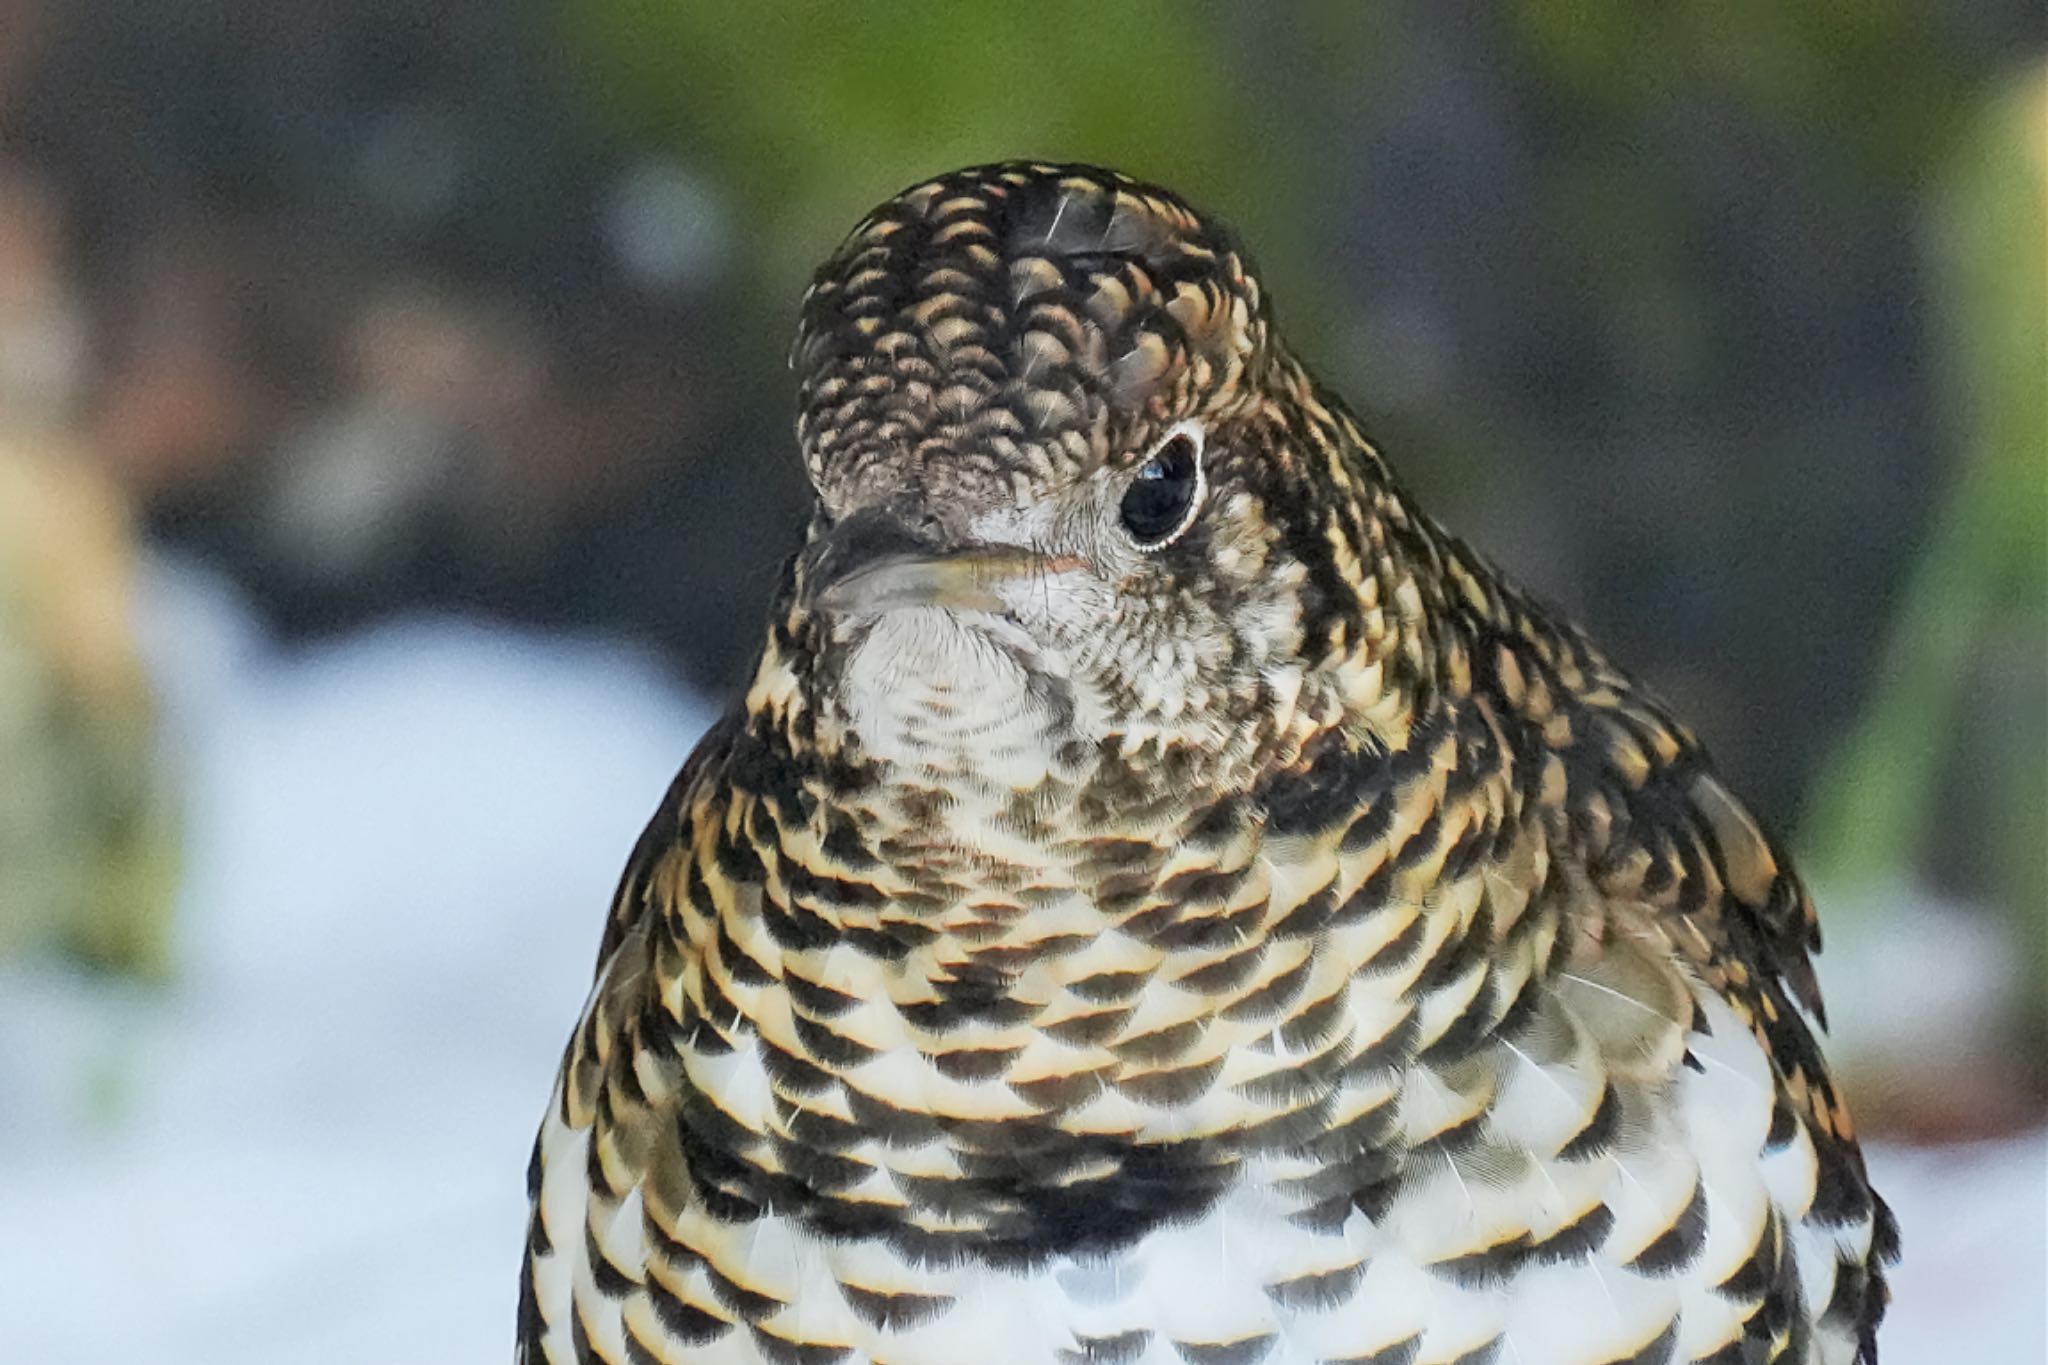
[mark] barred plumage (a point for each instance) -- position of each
(1164, 900)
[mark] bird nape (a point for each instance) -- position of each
(1162, 899)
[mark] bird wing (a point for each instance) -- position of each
(601, 1154)
(1661, 849)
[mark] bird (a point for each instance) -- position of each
(1163, 900)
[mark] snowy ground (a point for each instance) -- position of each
(400, 848)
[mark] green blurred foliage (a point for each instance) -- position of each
(1978, 603)
(810, 108)
(1858, 86)
(87, 835)
(1868, 72)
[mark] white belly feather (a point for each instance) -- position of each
(1201, 1284)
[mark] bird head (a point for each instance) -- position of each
(1074, 498)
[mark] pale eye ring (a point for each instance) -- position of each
(1165, 494)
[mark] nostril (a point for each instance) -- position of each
(874, 533)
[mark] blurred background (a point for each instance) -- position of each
(395, 459)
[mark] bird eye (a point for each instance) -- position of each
(1161, 501)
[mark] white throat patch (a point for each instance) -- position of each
(927, 688)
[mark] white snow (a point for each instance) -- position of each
(400, 847)
(400, 850)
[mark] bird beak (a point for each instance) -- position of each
(967, 581)
(871, 562)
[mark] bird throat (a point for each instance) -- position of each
(937, 695)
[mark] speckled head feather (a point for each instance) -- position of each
(1165, 901)
(1021, 319)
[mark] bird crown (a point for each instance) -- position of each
(1021, 307)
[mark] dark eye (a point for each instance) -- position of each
(1161, 500)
